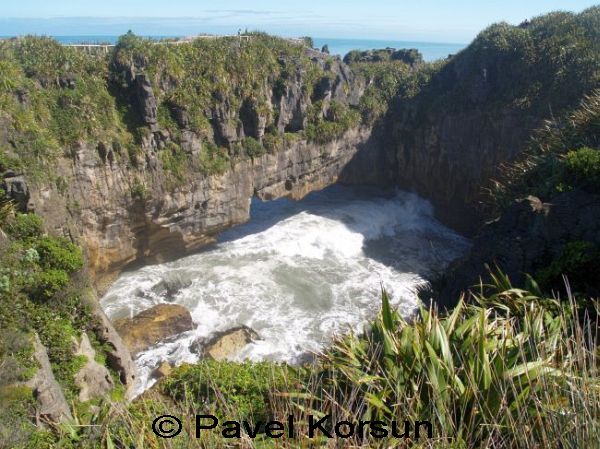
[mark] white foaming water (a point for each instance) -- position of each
(297, 273)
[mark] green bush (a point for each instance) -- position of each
(138, 190)
(579, 262)
(59, 254)
(49, 283)
(229, 389)
(273, 142)
(582, 168)
(213, 159)
(253, 147)
(338, 119)
(24, 226)
(176, 164)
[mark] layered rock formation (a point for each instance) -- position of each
(93, 379)
(138, 210)
(117, 229)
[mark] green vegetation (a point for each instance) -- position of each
(406, 55)
(40, 293)
(481, 373)
(390, 81)
(325, 127)
(55, 99)
(582, 168)
(214, 159)
(578, 261)
(508, 367)
(564, 155)
(176, 164)
(524, 65)
(52, 98)
(242, 391)
(253, 147)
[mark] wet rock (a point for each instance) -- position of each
(93, 379)
(163, 370)
(168, 289)
(153, 326)
(52, 405)
(226, 344)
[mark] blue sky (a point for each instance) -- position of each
(424, 20)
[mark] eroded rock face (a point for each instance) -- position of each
(226, 344)
(527, 237)
(118, 356)
(446, 157)
(93, 379)
(122, 209)
(153, 325)
(116, 228)
(52, 404)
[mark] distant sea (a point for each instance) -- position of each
(430, 50)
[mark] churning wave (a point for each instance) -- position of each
(297, 273)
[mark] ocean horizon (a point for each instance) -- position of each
(431, 51)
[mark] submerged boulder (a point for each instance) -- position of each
(153, 325)
(223, 345)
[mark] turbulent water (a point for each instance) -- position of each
(297, 273)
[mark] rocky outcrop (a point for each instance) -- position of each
(145, 101)
(163, 370)
(528, 236)
(93, 379)
(153, 326)
(118, 356)
(448, 157)
(117, 228)
(226, 344)
(16, 188)
(124, 210)
(52, 405)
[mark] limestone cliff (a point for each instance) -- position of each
(178, 163)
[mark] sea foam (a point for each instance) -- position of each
(297, 273)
